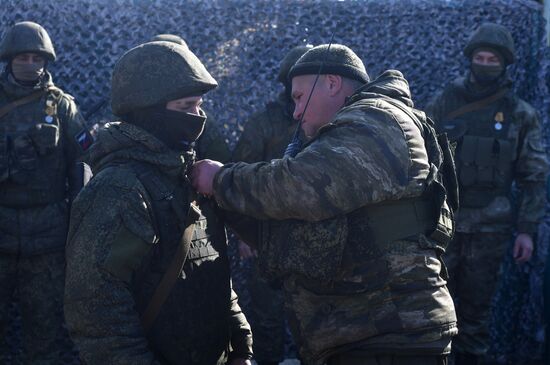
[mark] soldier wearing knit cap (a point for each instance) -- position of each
(358, 289)
(340, 61)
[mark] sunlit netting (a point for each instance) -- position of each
(242, 42)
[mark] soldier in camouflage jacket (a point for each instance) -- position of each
(41, 140)
(363, 283)
(132, 219)
(499, 142)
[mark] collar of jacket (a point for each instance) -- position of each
(124, 142)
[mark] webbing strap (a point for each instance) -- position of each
(172, 273)
(158, 191)
(22, 101)
(414, 216)
(476, 105)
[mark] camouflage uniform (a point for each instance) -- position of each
(349, 287)
(498, 144)
(127, 224)
(41, 142)
(265, 137)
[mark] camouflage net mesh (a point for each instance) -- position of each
(242, 42)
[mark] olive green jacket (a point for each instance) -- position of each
(40, 144)
(115, 260)
(519, 126)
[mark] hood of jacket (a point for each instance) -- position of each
(121, 142)
(391, 83)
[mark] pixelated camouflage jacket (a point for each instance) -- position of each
(487, 204)
(39, 146)
(115, 261)
(373, 296)
(267, 133)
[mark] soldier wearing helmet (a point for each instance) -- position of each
(147, 267)
(499, 142)
(42, 136)
(265, 137)
(211, 143)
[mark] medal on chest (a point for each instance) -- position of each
(499, 119)
(50, 111)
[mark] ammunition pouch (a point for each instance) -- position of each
(24, 160)
(485, 169)
(45, 137)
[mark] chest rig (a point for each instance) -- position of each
(32, 166)
(485, 152)
(182, 289)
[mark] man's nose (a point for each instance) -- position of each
(297, 113)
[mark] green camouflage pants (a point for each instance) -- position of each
(473, 261)
(267, 318)
(40, 281)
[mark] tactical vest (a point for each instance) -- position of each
(485, 153)
(315, 250)
(192, 326)
(33, 167)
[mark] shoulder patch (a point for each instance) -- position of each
(84, 139)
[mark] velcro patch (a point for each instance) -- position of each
(84, 139)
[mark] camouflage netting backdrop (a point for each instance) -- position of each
(242, 42)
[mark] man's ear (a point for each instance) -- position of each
(334, 84)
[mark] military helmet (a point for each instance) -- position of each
(492, 35)
(26, 37)
(154, 73)
(290, 59)
(340, 60)
(169, 38)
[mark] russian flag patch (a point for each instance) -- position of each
(84, 139)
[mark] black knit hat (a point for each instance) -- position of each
(290, 59)
(340, 60)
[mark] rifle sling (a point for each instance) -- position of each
(158, 190)
(22, 101)
(172, 273)
(476, 105)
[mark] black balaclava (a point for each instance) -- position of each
(178, 130)
(27, 74)
(486, 75)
